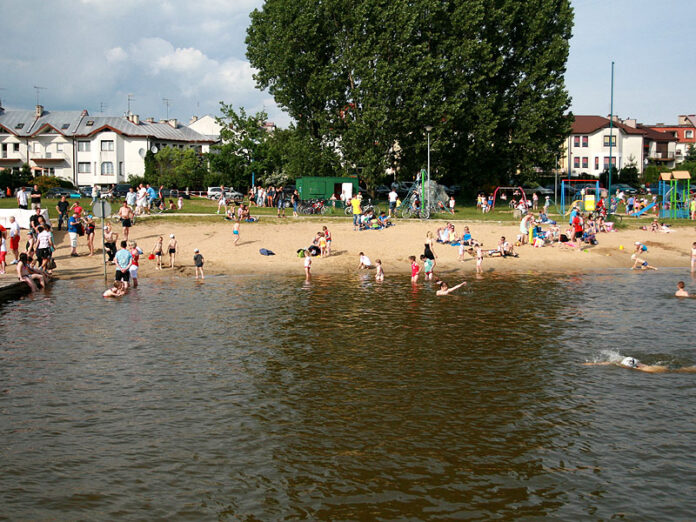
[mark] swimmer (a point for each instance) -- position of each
(444, 290)
(634, 364)
(640, 263)
(681, 291)
(117, 290)
(379, 275)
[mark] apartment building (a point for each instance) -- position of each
(85, 149)
(684, 132)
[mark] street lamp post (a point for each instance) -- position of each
(428, 129)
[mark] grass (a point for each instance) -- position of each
(206, 207)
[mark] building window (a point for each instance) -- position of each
(83, 146)
(585, 162)
(83, 167)
(576, 162)
(585, 141)
(576, 141)
(596, 162)
(65, 126)
(107, 168)
(613, 141)
(120, 168)
(16, 147)
(107, 145)
(59, 147)
(606, 161)
(90, 123)
(689, 134)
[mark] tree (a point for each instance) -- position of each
(243, 150)
(690, 153)
(488, 76)
(175, 168)
(293, 153)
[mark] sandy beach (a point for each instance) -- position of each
(392, 246)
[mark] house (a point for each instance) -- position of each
(587, 147)
(659, 147)
(684, 132)
(85, 149)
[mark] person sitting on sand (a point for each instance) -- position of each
(444, 289)
(642, 263)
(117, 290)
(26, 275)
(681, 291)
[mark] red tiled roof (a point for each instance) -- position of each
(590, 124)
(656, 135)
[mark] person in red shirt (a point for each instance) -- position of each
(577, 228)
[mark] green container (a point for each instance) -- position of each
(314, 187)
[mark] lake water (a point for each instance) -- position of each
(269, 398)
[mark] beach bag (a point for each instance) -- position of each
(80, 229)
(151, 257)
(300, 252)
(266, 252)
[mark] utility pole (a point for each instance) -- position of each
(611, 130)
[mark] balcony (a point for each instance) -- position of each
(661, 156)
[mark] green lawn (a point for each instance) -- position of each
(468, 213)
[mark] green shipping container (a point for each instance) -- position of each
(322, 188)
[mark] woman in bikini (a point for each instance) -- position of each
(90, 227)
(171, 248)
(24, 274)
(428, 250)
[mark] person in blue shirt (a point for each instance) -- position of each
(123, 260)
(151, 196)
(74, 225)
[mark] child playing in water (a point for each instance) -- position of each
(157, 251)
(693, 257)
(444, 289)
(427, 267)
(681, 291)
(235, 232)
(379, 276)
(307, 263)
(415, 269)
(642, 263)
(117, 290)
(365, 262)
(198, 263)
(479, 259)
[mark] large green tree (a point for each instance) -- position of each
(364, 75)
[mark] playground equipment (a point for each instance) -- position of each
(513, 189)
(589, 201)
(435, 197)
(674, 191)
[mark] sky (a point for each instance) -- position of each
(91, 54)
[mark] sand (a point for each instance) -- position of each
(392, 246)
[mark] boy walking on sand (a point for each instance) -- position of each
(235, 232)
(198, 262)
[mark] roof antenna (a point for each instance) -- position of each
(102, 106)
(130, 99)
(166, 102)
(38, 91)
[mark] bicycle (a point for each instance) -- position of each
(365, 208)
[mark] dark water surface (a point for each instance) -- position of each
(247, 397)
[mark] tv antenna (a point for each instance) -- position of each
(166, 102)
(2, 89)
(130, 99)
(102, 106)
(38, 91)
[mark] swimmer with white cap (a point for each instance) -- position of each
(634, 364)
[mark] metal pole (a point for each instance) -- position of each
(428, 194)
(103, 241)
(611, 129)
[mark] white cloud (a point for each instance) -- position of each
(115, 55)
(184, 60)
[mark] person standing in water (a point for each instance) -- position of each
(171, 249)
(198, 262)
(681, 291)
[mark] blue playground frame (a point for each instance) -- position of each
(674, 189)
(570, 182)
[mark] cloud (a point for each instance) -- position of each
(184, 60)
(115, 55)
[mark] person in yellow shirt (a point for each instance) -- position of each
(357, 210)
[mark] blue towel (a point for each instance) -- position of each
(265, 252)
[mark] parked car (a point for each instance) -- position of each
(542, 191)
(230, 193)
(120, 190)
(174, 194)
(85, 190)
(57, 192)
(382, 191)
(626, 189)
(405, 186)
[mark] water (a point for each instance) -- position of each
(266, 398)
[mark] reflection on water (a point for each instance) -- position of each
(347, 399)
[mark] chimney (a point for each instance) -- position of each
(39, 111)
(84, 113)
(682, 120)
(150, 120)
(630, 122)
(173, 122)
(163, 121)
(135, 119)
(193, 119)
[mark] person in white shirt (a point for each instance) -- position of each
(22, 199)
(14, 239)
(141, 200)
(393, 196)
(44, 245)
(364, 261)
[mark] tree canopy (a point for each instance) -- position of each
(367, 76)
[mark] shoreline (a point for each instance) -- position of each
(392, 246)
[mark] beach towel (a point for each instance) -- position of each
(266, 252)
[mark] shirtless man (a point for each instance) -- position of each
(126, 215)
(681, 291)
